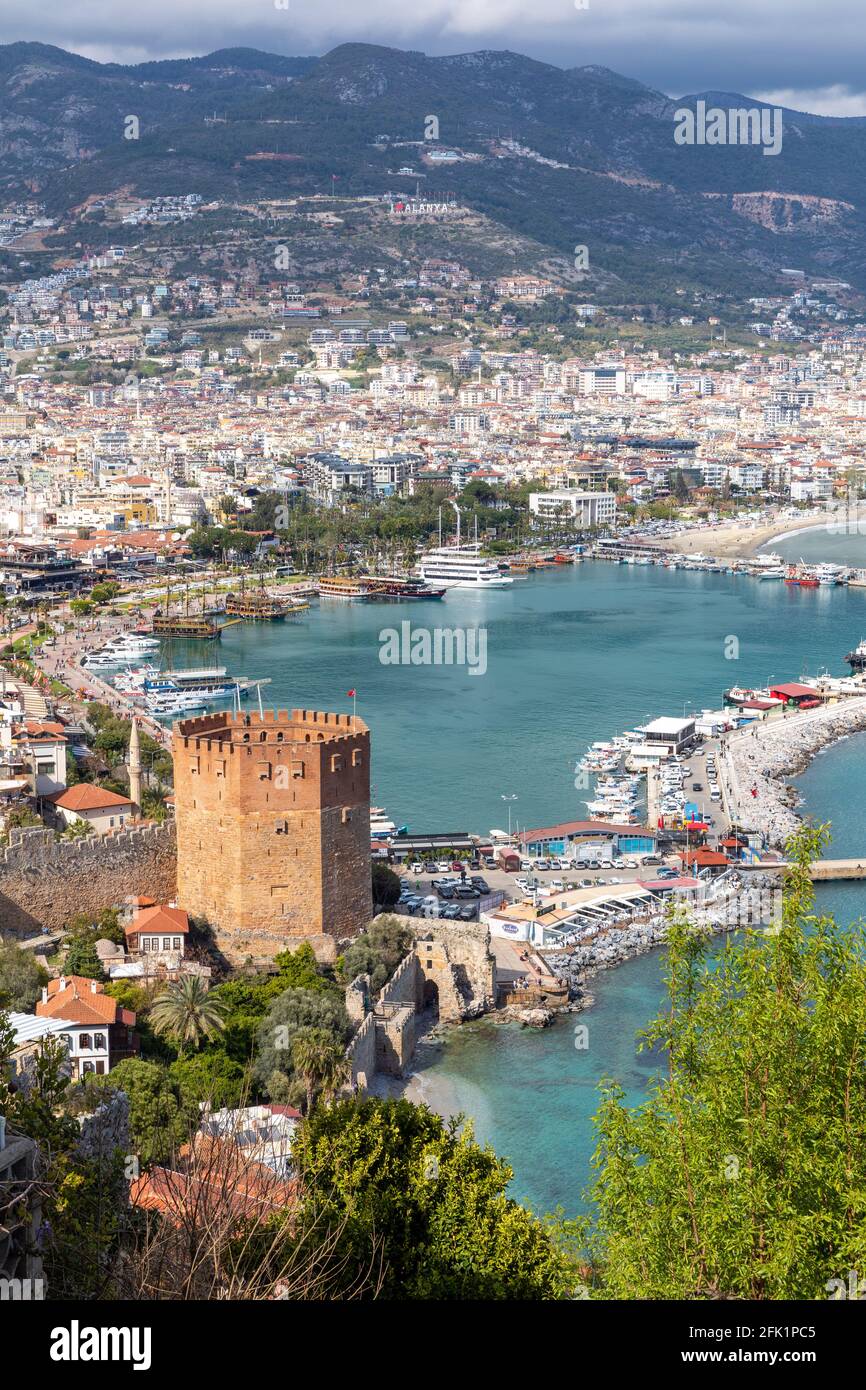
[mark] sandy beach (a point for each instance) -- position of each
(741, 540)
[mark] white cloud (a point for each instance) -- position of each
(821, 101)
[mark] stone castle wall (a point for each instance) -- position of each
(361, 1053)
(273, 820)
(451, 969)
(45, 881)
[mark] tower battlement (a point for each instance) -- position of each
(280, 726)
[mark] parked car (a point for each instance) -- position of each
(467, 913)
(521, 882)
(417, 867)
(558, 884)
(525, 865)
(457, 867)
(443, 865)
(430, 868)
(465, 890)
(584, 883)
(446, 890)
(412, 902)
(481, 884)
(451, 912)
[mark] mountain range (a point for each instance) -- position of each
(579, 156)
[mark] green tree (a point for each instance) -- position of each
(21, 979)
(210, 1076)
(300, 969)
(386, 885)
(156, 1121)
(744, 1173)
(397, 1186)
(105, 592)
(188, 1011)
(377, 951)
(320, 1063)
(294, 1011)
(81, 958)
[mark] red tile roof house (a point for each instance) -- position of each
(103, 810)
(100, 1033)
(157, 931)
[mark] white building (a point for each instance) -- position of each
(585, 508)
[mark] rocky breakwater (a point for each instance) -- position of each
(757, 763)
(733, 906)
(603, 951)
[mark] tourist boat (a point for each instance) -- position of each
(382, 827)
(829, 574)
(400, 587)
(808, 581)
(203, 682)
(255, 606)
(461, 567)
(349, 590)
(174, 704)
(856, 659)
(184, 625)
(774, 572)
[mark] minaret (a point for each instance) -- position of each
(134, 766)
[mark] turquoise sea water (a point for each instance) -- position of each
(533, 1095)
(819, 543)
(573, 655)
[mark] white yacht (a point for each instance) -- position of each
(829, 574)
(462, 567)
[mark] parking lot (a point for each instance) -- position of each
(548, 879)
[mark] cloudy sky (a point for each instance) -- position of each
(807, 54)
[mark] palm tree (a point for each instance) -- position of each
(320, 1062)
(188, 1011)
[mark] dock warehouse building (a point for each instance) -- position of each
(555, 840)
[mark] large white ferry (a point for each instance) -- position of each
(462, 567)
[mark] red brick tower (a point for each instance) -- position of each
(273, 827)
